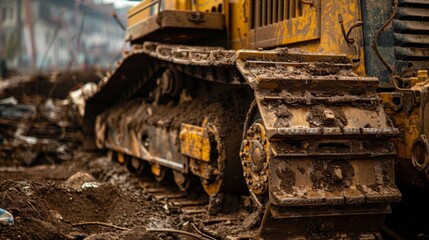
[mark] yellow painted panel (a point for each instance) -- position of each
(408, 124)
(195, 142)
(239, 24)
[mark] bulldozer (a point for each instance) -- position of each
(314, 108)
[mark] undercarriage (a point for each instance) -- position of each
(300, 132)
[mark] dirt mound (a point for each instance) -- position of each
(48, 211)
(46, 208)
(56, 85)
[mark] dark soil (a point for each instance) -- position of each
(44, 206)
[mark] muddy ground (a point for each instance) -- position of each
(46, 205)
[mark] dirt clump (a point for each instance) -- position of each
(77, 180)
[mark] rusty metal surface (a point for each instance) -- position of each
(328, 144)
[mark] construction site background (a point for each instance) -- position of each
(41, 35)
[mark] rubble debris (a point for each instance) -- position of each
(10, 109)
(55, 85)
(49, 110)
(41, 116)
(90, 185)
(201, 233)
(45, 132)
(218, 220)
(79, 96)
(253, 220)
(6, 217)
(78, 180)
(9, 100)
(56, 215)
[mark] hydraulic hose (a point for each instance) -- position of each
(378, 33)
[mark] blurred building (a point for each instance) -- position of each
(58, 34)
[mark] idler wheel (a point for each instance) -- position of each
(254, 158)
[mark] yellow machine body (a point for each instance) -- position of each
(316, 26)
(279, 99)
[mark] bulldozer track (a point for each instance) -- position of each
(315, 136)
(207, 63)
